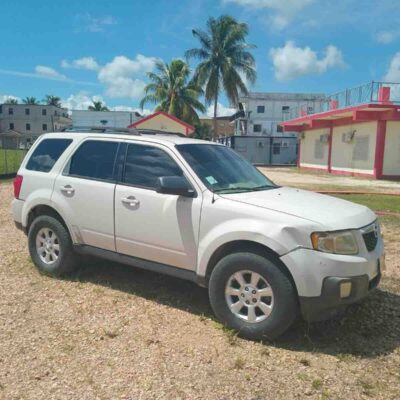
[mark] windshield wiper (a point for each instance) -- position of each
(243, 189)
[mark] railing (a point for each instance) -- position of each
(371, 92)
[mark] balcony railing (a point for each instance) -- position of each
(371, 92)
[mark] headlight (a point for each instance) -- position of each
(342, 242)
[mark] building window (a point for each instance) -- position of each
(44, 111)
(276, 148)
(279, 128)
(260, 109)
(1, 109)
(257, 128)
(28, 127)
(27, 111)
(44, 127)
(10, 111)
(11, 126)
(310, 110)
(285, 108)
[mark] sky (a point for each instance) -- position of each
(84, 50)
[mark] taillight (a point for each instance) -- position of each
(17, 185)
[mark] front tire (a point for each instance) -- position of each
(250, 294)
(50, 247)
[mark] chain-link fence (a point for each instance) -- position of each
(10, 160)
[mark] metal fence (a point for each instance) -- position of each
(10, 160)
(363, 94)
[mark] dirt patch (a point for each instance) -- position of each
(115, 332)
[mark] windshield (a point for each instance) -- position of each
(222, 170)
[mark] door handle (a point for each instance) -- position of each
(130, 201)
(67, 190)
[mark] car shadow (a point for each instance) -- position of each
(368, 329)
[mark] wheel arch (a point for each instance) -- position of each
(248, 246)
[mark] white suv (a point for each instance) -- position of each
(198, 211)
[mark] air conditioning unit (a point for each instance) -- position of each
(284, 143)
(347, 137)
(264, 131)
(324, 138)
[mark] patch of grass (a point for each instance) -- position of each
(316, 384)
(229, 333)
(302, 376)
(376, 202)
(344, 357)
(368, 387)
(10, 160)
(239, 363)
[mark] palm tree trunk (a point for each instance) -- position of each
(215, 135)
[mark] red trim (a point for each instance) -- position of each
(308, 168)
(137, 123)
(380, 149)
(330, 148)
(304, 123)
(350, 173)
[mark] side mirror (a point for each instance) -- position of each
(177, 185)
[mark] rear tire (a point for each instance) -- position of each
(50, 247)
(250, 294)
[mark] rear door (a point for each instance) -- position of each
(85, 192)
(153, 226)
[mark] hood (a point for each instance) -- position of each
(333, 213)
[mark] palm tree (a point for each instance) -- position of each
(224, 60)
(52, 100)
(172, 91)
(98, 106)
(11, 100)
(30, 100)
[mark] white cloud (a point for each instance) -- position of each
(222, 111)
(5, 97)
(292, 62)
(145, 111)
(49, 72)
(122, 76)
(283, 11)
(88, 63)
(386, 37)
(89, 23)
(393, 72)
(80, 101)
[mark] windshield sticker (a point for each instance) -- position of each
(211, 180)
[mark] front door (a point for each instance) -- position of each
(150, 225)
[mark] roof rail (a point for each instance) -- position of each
(102, 129)
(157, 132)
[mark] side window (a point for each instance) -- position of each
(46, 154)
(144, 164)
(94, 160)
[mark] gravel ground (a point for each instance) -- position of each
(114, 332)
(292, 176)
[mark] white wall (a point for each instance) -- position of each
(359, 154)
(391, 163)
(313, 153)
(115, 119)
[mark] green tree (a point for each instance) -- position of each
(202, 131)
(52, 100)
(98, 106)
(30, 100)
(173, 92)
(11, 100)
(225, 60)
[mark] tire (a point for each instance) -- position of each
(279, 309)
(63, 260)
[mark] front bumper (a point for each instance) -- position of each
(330, 303)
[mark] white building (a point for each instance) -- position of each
(109, 119)
(261, 113)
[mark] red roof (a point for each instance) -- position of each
(189, 128)
(343, 116)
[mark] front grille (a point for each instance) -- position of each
(370, 239)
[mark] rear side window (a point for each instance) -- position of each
(94, 160)
(144, 164)
(46, 154)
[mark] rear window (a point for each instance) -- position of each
(46, 154)
(94, 160)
